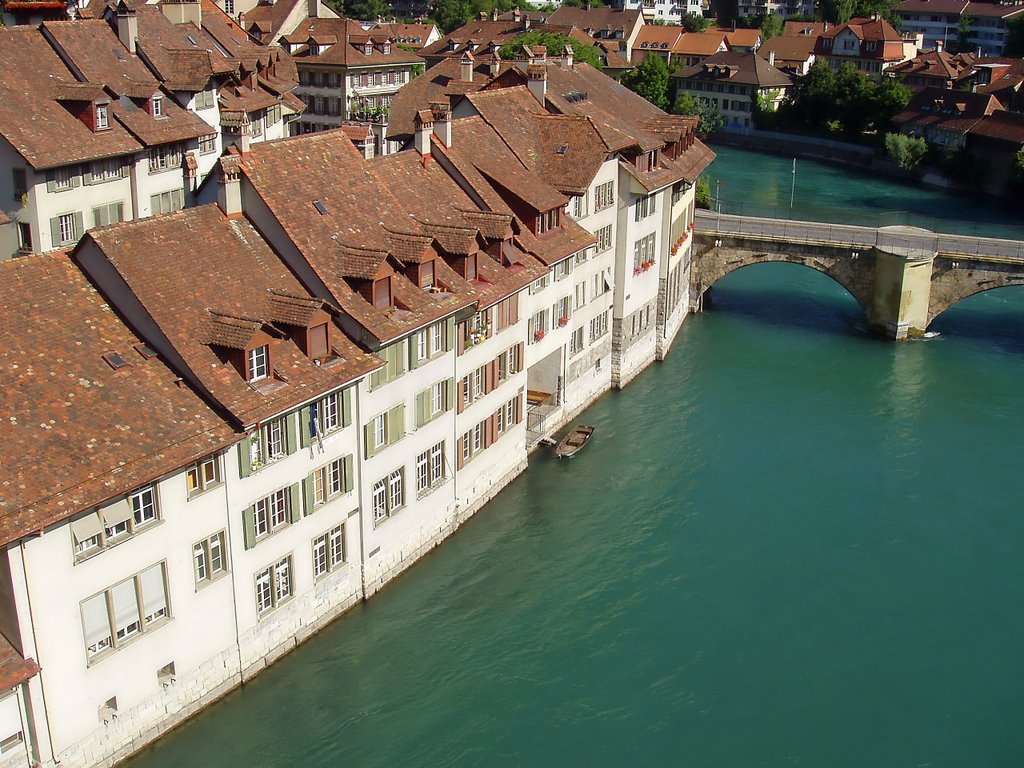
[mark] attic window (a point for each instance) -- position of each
(115, 361)
(258, 366)
(382, 293)
(426, 274)
(314, 49)
(367, 49)
(320, 207)
(471, 267)
(147, 352)
(562, 149)
(191, 39)
(102, 117)
(386, 48)
(317, 342)
(157, 106)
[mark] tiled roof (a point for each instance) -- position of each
(948, 110)
(741, 38)
(198, 302)
(350, 239)
(183, 58)
(345, 39)
(656, 36)
(932, 6)
(270, 16)
(15, 669)
(700, 43)
(995, 10)
(807, 28)
(97, 432)
(733, 67)
(32, 121)
(1004, 127)
(793, 49)
(938, 64)
(97, 53)
(598, 18)
(414, 35)
(479, 36)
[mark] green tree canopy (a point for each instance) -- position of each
(361, 9)
(555, 43)
(650, 80)
(905, 151)
(710, 118)
(1015, 39)
(771, 26)
(693, 22)
(450, 14)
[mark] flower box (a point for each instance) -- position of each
(563, 321)
(538, 335)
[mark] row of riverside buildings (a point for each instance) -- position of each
(226, 425)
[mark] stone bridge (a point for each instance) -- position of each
(902, 277)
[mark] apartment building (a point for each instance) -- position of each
(669, 11)
(872, 46)
(362, 366)
(938, 21)
(346, 73)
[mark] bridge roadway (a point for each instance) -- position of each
(903, 277)
(710, 223)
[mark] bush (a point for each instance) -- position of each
(702, 194)
(905, 151)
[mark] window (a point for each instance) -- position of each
(430, 468)
(204, 99)
(547, 221)
(604, 196)
(259, 363)
(436, 342)
(164, 157)
(167, 202)
(380, 429)
(328, 551)
(157, 106)
(63, 178)
(329, 481)
(576, 341)
(111, 213)
(273, 585)
(643, 254)
(604, 238)
(326, 415)
(643, 207)
(229, 7)
(19, 179)
(106, 170)
(598, 326)
(207, 145)
(538, 325)
(580, 297)
(560, 310)
(562, 269)
(580, 206)
(270, 443)
(385, 429)
(388, 495)
(24, 237)
(422, 343)
(130, 608)
(540, 284)
(202, 476)
(210, 558)
(66, 228)
(115, 522)
(102, 117)
(271, 513)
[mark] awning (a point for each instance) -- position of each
(116, 513)
(85, 528)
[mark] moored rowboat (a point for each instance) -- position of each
(574, 441)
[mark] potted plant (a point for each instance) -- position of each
(563, 321)
(538, 334)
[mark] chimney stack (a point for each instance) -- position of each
(537, 82)
(526, 21)
(495, 65)
(494, 13)
(183, 11)
(567, 53)
(466, 68)
(127, 26)
(424, 125)
(939, 45)
(229, 186)
(771, 58)
(442, 114)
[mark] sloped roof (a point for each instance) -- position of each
(949, 110)
(700, 43)
(598, 18)
(734, 67)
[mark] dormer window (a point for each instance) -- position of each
(386, 48)
(314, 49)
(258, 363)
(102, 117)
(470, 268)
(382, 293)
(426, 274)
(317, 341)
(156, 106)
(367, 49)
(548, 220)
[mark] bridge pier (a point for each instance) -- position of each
(902, 291)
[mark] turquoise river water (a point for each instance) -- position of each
(789, 544)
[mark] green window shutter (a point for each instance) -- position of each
(249, 526)
(413, 350)
(79, 224)
(421, 409)
(305, 433)
(245, 457)
(87, 176)
(76, 181)
(295, 503)
(449, 334)
(307, 495)
(346, 407)
(396, 424)
(290, 436)
(55, 231)
(51, 182)
(449, 395)
(377, 378)
(371, 447)
(99, 217)
(349, 479)
(401, 356)
(118, 213)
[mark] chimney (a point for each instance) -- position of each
(183, 11)
(771, 58)
(482, 16)
(466, 67)
(442, 114)
(313, 9)
(424, 125)
(127, 26)
(526, 22)
(939, 45)
(241, 20)
(517, 15)
(825, 29)
(567, 53)
(538, 80)
(494, 13)
(495, 65)
(229, 186)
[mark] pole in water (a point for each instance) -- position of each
(792, 190)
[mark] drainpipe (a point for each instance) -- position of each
(35, 645)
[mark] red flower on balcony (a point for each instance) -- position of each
(563, 321)
(538, 335)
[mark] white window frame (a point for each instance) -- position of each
(258, 363)
(142, 623)
(202, 476)
(274, 586)
(209, 558)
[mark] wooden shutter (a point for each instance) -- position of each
(245, 456)
(377, 377)
(307, 495)
(346, 407)
(459, 462)
(519, 408)
(422, 400)
(414, 350)
(493, 369)
(513, 309)
(401, 352)
(349, 479)
(55, 231)
(519, 356)
(368, 440)
(305, 429)
(488, 437)
(79, 223)
(448, 333)
(51, 181)
(460, 396)
(294, 503)
(249, 526)
(460, 339)
(449, 394)
(290, 436)
(396, 424)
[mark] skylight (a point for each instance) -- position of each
(115, 361)
(191, 39)
(320, 207)
(562, 149)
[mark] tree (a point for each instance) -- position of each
(650, 80)
(582, 3)
(771, 26)
(702, 194)
(555, 43)
(710, 120)
(890, 98)
(905, 151)
(364, 9)
(1014, 46)
(963, 34)
(853, 92)
(693, 22)
(811, 101)
(450, 14)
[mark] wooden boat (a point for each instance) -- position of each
(574, 441)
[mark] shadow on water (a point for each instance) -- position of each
(995, 318)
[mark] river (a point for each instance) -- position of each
(789, 544)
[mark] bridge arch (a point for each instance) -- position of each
(954, 281)
(937, 307)
(709, 268)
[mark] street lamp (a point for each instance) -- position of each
(718, 202)
(792, 190)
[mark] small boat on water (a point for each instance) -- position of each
(574, 441)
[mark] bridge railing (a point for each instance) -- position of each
(910, 242)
